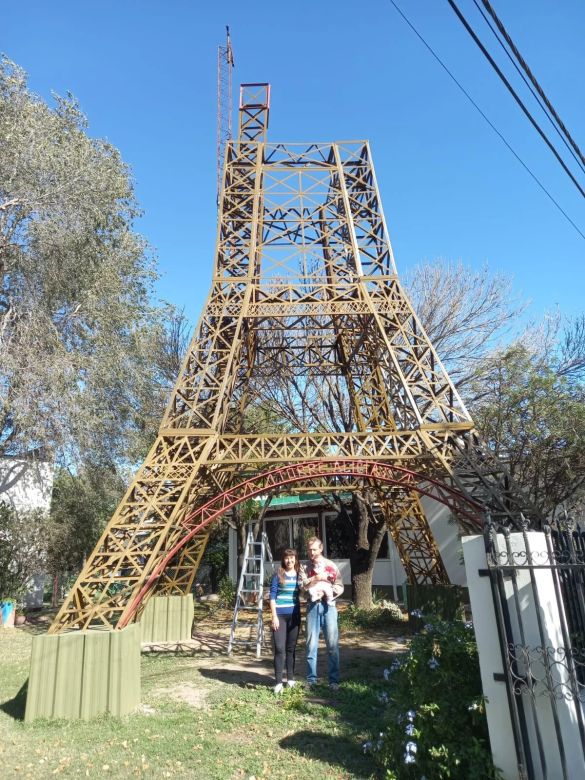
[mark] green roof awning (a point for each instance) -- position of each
(283, 502)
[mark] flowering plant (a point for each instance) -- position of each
(436, 710)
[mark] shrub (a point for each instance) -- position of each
(23, 549)
(382, 615)
(436, 710)
(227, 593)
(443, 601)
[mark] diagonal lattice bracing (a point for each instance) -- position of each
(305, 295)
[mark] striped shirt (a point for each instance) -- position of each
(285, 594)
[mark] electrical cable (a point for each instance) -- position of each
(544, 103)
(531, 76)
(493, 127)
(514, 94)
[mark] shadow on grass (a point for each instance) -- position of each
(15, 707)
(339, 751)
(204, 645)
(244, 678)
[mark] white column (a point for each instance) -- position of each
(524, 611)
(233, 555)
(490, 657)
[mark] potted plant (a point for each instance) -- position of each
(7, 612)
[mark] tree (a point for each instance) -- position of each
(464, 312)
(570, 356)
(171, 344)
(83, 502)
(77, 328)
(23, 548)
(530, 409)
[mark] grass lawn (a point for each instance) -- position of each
(206, 715)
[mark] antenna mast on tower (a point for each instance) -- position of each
(225, 63)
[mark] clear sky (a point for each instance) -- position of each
(144, 72)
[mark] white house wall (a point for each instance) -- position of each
(388, 572)
(26, 484)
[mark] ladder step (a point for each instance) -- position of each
(251, 584)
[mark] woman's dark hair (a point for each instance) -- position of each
(284, 554)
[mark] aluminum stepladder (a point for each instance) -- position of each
(250, 594)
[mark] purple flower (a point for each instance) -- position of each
(433, 663)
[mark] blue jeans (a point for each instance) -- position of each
(322, 617)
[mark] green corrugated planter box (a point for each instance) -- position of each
(167, 619)
(81, 674)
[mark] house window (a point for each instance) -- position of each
(384, 550)
(278, 534)
(303, 528)
(340, 538)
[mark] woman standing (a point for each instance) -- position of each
(285, 608)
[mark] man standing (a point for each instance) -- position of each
(322, 612)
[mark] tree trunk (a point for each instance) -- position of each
(55, 591)
(361, 579)
(363, 557)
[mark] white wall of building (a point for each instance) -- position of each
(389, 572)
(26, 484)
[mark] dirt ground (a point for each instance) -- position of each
(208, 650)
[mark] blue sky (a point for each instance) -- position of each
(144, 72)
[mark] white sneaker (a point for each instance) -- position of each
(278, 688)
(291, 684)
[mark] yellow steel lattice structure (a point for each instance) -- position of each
(304, 280)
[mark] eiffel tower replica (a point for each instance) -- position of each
(304, 277)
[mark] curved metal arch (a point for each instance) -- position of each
(267, 481)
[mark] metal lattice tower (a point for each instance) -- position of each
(304, 278)
(225, 65)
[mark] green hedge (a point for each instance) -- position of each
(444, 602)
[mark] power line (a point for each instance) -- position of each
(544, 103)
(532, 78)
(514, 94)
(493, 127)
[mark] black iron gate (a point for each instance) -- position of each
(544, 670)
